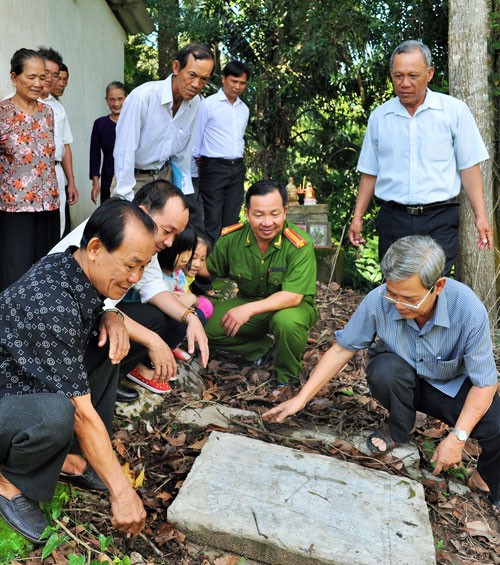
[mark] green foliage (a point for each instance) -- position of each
(12, 545)
(60, 499)
(362, 266)
(428, 448)
(104, 541)
(439, 544)
(460, 473)
(54, 541)
(141, 61)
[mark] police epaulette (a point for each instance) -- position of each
(294, 237)
(230, 229)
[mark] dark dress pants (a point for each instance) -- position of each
(155, 320)
(105, 188)
(222, 189)
(440, 224)
(37, 430)
(395, 384)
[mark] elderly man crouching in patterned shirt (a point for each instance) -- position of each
(59, 360)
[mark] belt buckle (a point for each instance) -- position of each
(415, 210)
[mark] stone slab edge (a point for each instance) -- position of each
(250, 546)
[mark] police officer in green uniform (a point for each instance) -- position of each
(273, 263)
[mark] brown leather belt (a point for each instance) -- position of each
(151, 172)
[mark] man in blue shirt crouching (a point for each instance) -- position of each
(433, 354)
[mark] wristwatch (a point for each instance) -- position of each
(461, 434)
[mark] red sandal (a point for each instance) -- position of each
(150, 384)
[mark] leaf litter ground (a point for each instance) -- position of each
(158, 455)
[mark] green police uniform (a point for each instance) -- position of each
(288, 264)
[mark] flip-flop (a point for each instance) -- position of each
(385, 435)
(181, 355)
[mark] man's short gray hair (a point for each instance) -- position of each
(411, 255)
(412, 45)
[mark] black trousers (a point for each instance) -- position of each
(395, 384)
(440, 224)
(25, 237)
(37, 430)
(105, 188)
(222, 190)
(155, 320)
(195, 211)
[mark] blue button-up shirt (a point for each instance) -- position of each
(417, 159)
(453, 345)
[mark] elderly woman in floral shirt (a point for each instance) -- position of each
(29, 198)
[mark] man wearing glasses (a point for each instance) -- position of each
(433, 354)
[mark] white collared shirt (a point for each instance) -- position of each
(148, 135)
(220, 127)
(62, 131)
(417, 159)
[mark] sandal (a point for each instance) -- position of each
(385, 435)
(181, 355)
(153, 386)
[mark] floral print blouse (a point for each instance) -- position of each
(27, 169)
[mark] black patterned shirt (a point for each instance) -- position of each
(46, 320)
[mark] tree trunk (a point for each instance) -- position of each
(168, 43)
(469, 70)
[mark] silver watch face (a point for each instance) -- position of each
(461, 435)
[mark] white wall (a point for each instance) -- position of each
(90, 39)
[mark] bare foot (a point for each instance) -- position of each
(7, 489)
(379, 444)
(146, 372)
(74, 465)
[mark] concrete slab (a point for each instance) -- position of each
(282, 506)
(406, 452)
(217, 414)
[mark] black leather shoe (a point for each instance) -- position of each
(86, 481)
(24, 516)
(126, 394)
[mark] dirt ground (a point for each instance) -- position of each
(464, 530)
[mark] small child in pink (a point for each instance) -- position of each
(197, 261)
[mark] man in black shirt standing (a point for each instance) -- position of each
(59, 359)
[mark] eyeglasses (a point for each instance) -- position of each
(53, 75)
(406, 304)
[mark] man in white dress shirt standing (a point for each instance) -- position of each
(62, 134)
(154, 136)
(218, 149)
